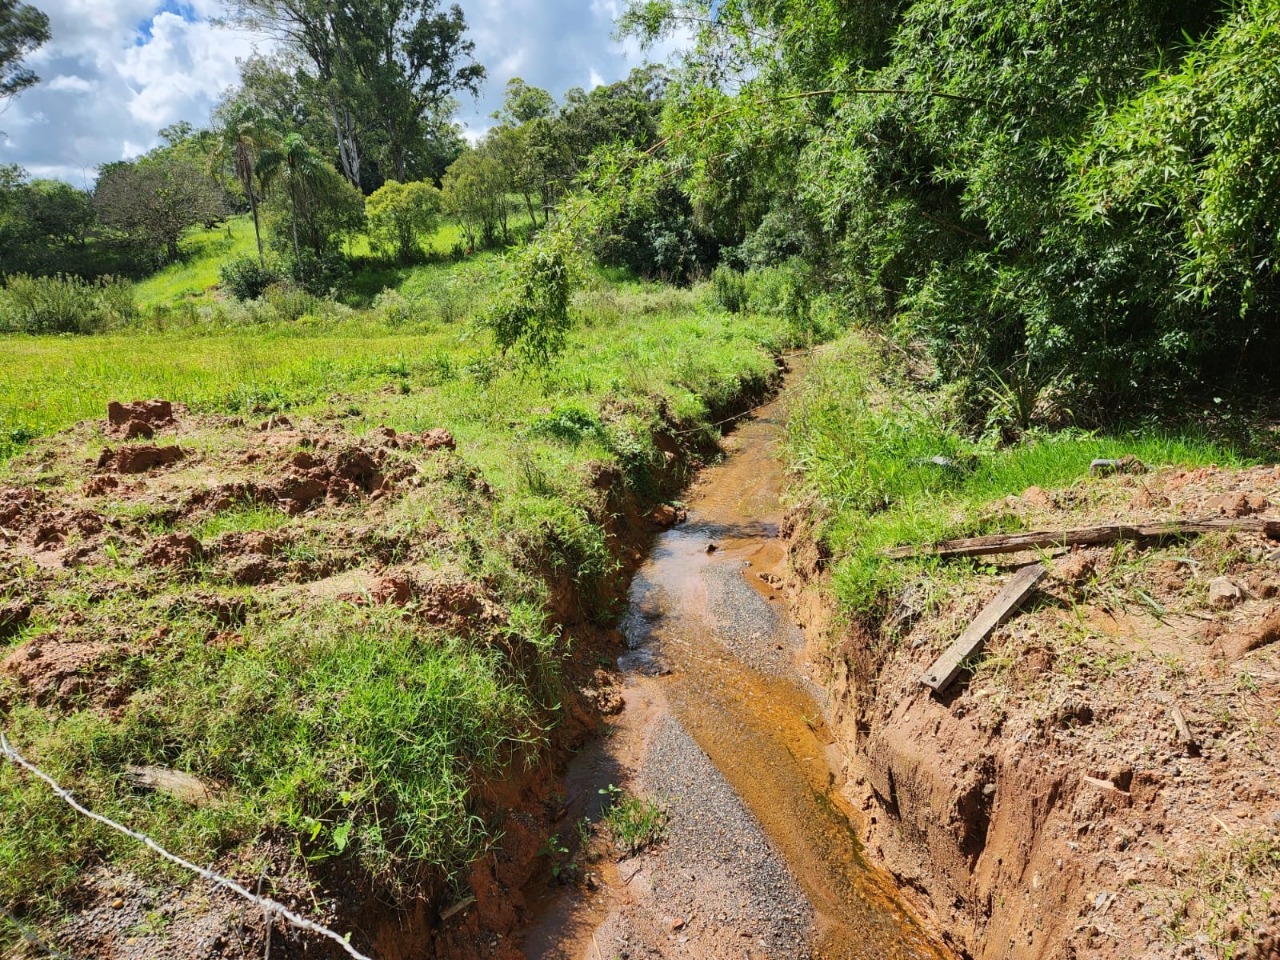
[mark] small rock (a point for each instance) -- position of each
(665, 515)
(677, 923)
(1224, 592)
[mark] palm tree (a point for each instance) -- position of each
(300, 172)
(244, 137)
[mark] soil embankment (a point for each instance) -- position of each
(1050, 805)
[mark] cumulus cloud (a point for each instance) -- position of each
(116, 72)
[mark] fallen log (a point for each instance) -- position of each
(948, 666)
(1082, 536)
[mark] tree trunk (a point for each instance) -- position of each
(257, 230)
(348, 151)
(293, 216)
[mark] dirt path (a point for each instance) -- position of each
(725, 728)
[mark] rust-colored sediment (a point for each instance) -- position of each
(726, 663)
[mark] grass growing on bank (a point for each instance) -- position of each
(864, 443)
(338, 727)
(203, 251)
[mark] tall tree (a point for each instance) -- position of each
(387, 69)
(243, 136)
(23, 29)
(299, 172)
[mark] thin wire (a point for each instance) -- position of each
(270, 906)
(29, 934)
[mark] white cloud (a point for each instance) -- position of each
(117, 71)
(72, 83)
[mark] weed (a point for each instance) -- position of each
(633, 822)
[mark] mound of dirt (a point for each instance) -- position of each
(138, 458)
(173, 550)
(250, 543)
(141, 418)
(53, 671)
(19, 503)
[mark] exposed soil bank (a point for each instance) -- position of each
(723, 725)
(1046, 807)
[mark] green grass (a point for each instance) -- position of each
(348, 730)
(863, 442)
(203, 252)
(634, 822)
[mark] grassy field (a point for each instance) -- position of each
(348, 729)
(863, 441)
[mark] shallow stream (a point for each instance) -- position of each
(723, 726)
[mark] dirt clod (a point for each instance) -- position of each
(173, 550)
(1224, 592)
(438, 439)
(139, 458)
(141, 418)
(1236, 645)
(51, 670)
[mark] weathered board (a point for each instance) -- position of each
(1082, 536)
(948, 666)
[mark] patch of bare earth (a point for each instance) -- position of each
(1103, 783)
(113, 530)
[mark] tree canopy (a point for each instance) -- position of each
(23, 29)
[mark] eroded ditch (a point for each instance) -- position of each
(723, 725)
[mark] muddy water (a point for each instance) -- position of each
(725, 728)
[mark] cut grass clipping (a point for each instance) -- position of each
(634, 823)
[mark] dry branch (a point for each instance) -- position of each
(270, 907)
(1082, 536)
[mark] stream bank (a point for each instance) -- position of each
(1047, 806)
(723, 726)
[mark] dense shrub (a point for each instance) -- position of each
(321, 274)
(1084, 197)
(730, 288)
(247, 278)
(62, 304)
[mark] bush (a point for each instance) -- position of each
(64, 304)
(730, 288)
(393, 309)
(322, 275)
(288, 301)
(247, 277)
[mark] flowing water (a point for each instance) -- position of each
(724, 727)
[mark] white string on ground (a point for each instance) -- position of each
(270, 907)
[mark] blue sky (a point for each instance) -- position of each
(117, 71)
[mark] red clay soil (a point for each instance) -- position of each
(1047, 807)
(122, 522)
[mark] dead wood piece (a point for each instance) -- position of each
(1183, 728)
(174, 783)
(948, 666)
(1083, 536)
(457, 908)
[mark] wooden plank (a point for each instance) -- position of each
(1082, 536)
(948, 666)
